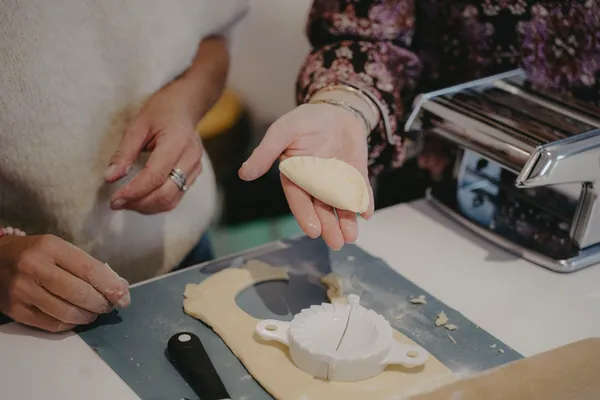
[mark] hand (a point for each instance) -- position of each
(320, 130)
(167, 128)
(48, 283)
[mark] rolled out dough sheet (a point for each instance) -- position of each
(213, 302)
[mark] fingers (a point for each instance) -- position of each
(55, 307)
(100, 276)
(166, 153)
(369, 213)
(71, 289)
(31, 316)
(317, 218)
(302, 207)
(348, 225)
(330, 228)
(168, 195)
(127, 152)
(277, 138)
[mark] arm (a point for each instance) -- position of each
(561, 48)
(206, 77)
(363, 44)
(203, 81)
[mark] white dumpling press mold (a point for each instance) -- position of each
(341, 342)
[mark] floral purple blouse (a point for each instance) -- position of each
(396, 49)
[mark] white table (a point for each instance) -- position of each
(527, 307)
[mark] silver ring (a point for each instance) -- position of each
(180, 174)
(178, 177)
(182, 186)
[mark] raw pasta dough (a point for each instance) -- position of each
(330, 180)
(213, 302)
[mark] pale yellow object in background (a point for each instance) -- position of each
(213, 302)
(330, 180)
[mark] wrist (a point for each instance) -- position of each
(351, 97)
(193, 96)
(345, 107)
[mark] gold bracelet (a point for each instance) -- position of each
(348, 107)
(355, 91)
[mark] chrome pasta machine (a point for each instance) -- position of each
(525, 167)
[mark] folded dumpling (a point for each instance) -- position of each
(330, 180)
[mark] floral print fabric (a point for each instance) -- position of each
(396, 49)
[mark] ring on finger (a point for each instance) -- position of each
(180, 184)
(179, 173)
(178, 176)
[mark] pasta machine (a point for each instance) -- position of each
(524, 167)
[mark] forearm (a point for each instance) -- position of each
(386, 88)
(364, 45)
(205, 78)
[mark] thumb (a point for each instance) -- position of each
(276, 140)
(128, 151)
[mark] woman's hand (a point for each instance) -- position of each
(48, 283)
(166, 126)
(319, 130)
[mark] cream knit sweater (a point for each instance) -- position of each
(72, 73)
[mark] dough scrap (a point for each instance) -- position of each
(419, 300)
(213, 302)
(442, 319)
(451, 327)
(330, 180)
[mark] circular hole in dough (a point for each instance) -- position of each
(271, 328)
(412, 354)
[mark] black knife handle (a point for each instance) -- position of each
(188, 356)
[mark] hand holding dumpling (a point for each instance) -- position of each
(332, 127)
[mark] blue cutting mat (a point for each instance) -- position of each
(133, 341)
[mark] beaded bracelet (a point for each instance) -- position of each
(9, 230)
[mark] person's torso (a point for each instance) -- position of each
(72, 74)
(458, 41)
(555, 42)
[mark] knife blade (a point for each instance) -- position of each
(188, 356)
